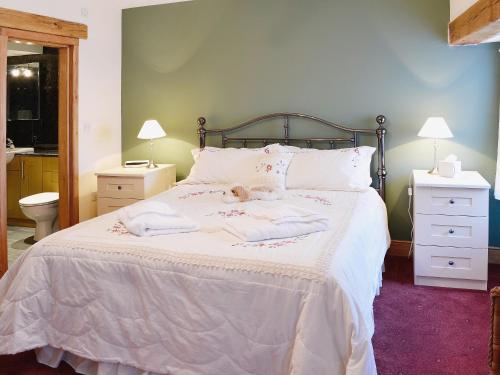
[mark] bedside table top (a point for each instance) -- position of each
(132, 172)
(464, 179)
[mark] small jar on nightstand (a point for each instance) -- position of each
(451, 230)
(119, 187)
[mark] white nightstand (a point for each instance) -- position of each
(119, 187)
(451, 230)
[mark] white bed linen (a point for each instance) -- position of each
(203, 302)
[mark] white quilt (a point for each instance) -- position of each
(204, 302)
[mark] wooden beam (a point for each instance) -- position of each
(41, 24)
(477, 24)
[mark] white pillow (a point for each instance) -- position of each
(270, 171)
(341, 169)
(214, 165)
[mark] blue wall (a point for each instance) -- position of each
(345, 61)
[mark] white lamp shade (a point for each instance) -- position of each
(435, 127)
(151, 130)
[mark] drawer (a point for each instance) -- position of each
(450, 262)
(468, 202)
(106, 205)
(457, 231)
(120, 187)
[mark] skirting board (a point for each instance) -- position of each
(402, 248)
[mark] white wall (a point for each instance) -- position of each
(99, 84)
(457, 7)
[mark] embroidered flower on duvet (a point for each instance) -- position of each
(199, 193)
(119, 229)
(316, 198)
(228, 213)
(271, 244)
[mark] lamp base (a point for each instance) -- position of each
(151, 165)
(433, 171)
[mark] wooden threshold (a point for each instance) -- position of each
(477, 24)
(14, 19)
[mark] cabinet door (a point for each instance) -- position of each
(13, 195)
(50, 179)
(31, 175)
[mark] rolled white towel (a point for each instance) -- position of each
(147, 207)
(154, 218)
(284, 213)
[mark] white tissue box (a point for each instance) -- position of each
(449, 168)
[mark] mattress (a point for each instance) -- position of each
(203, 302)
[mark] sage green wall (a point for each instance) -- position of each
(345, 61)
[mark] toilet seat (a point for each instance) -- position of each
(40, 199)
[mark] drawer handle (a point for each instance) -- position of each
(452, 201)
(451, 231)
(451, 263)
(119, 187)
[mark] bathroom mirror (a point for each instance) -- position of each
(23, 91)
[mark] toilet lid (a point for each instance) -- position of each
(39, 199)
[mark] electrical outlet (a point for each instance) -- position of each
(410, 191)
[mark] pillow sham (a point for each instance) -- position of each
(341, 169)
(213, 165)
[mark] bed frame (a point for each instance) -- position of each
(352, 137)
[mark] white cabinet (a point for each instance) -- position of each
(451, 230)
(119, 187)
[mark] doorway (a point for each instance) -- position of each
(61, 39)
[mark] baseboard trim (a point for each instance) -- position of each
(399, 248)
(402, 249)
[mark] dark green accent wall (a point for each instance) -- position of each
(346, 61)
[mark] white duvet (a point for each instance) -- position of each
(203, 302)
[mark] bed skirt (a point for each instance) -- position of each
(52, 357)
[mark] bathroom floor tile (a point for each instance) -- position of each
(18, 240)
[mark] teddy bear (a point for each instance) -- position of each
(239, 193)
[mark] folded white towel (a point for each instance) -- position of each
(265, 222)
(284, 213)
(154, 218)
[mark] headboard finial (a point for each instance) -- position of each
(381, 170)
(202, 131)
(380, 120)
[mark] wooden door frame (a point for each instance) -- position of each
(63, 35)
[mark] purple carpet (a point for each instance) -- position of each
(418, 330)
(425, 330)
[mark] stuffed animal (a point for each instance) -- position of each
(239, 193)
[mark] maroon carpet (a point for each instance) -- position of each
(418, 330)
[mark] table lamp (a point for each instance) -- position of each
(151, 129)
(436, 128)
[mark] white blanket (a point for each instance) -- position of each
(204, 303)
(154, 218)
(272, 220)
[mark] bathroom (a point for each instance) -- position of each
(32, 144)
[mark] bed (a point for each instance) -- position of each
(108, 302)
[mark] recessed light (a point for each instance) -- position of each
(29, 43)
(17, 41)
(15, 72)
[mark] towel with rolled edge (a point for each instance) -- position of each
(266, 222)
(154, 218)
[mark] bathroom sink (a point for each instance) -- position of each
(11, 152)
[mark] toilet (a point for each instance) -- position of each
(43, 208)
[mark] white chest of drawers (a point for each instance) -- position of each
(451, 230)
(119, 187)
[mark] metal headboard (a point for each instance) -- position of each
(353, 137)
